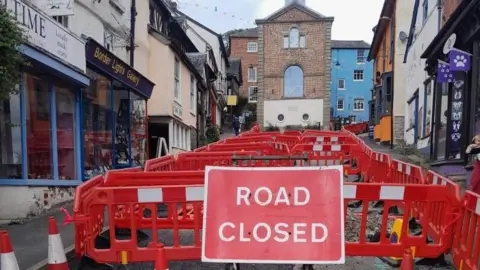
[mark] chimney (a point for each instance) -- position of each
(301, 2)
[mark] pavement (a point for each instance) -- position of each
(30, 239)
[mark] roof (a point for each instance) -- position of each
(249, 32)
(291, 6)
(235, 68)
(350, 44)
(219, 37)
(198, 61)
(383, 22)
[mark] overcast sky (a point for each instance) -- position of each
(354, 19)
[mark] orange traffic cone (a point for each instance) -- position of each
(7, 256)
(56, 254)
(407, 260)
(161, 261)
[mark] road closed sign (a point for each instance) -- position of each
(274, 215)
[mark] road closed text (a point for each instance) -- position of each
(280, 232)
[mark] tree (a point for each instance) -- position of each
(12, 36)
(227, 34)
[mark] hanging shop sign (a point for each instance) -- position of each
(458, 90)
(45, 33)
(106, 61)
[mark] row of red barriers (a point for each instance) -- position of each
(433, 200)
(357, 128)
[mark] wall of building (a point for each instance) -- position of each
(425, 32)
(314, 60)
(238, 49)
(449, 7)
(93, 18)
(347, 58)
(293, 111)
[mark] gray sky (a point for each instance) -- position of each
(354, 19)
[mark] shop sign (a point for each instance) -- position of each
(56, 7)
(456, 113)
(45, 33)
(109, 63)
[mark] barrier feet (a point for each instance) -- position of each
(407, 260)
(161, 262)
(232, 266)
(8, 261)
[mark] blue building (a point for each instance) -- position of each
(352, 79)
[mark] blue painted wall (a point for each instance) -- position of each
(344, 62)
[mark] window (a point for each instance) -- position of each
(121, 104)
(139, 123)
(411, 113)
(358, 104)
(252, 47)
(293, 82)
(176, 90)
(10, 134)
(428, 100)
(294, 37)
(108, 40)
(425, 11)
(65, 114)
(303, 41)
(358, 75)
(340, 104)
(63, 20)
(252, 74)
(341, 84)
(181, 137)
(192, 93)
(252, 94)
(360, 56)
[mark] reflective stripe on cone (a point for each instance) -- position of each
(56, 253)
(7, 256)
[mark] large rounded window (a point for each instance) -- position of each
(293, 82)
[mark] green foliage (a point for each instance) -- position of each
(11, 60)
(227, 34)
(212, 134)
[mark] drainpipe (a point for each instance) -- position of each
(439, 7)
(133, 14)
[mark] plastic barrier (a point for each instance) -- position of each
(379, 170)
(197, 161)
(166, 163)
(405, 173)
(150, 198)
(357, 128)
(345, 139)
(261, 148)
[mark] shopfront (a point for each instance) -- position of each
(114, 113)
(40, 135)
(455, 102)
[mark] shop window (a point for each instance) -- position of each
(66, 123)
(442, 124)
(97, 126)
(139, 123)
(39, 124)
(10, 138)
(121, 116)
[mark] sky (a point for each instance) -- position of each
(354, 19)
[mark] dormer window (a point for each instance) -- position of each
(294, 39)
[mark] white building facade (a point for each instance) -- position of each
(419, 87)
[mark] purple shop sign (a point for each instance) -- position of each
(459, 60)
(444, 75)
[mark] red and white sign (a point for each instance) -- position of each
(274, 215)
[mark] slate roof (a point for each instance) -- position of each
(249, 32)
(198, 60)
(350, 44)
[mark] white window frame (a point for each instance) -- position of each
(192, 93)
(252, 47)
(250, 99)
(355, 103)
(361, 58)
(301, 36)
(255, 72)
(362, 72)
(344, 84)
(343, 104)
(290, 45)
(63, 20)
(177, 95)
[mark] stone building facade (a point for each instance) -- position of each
(294, 59)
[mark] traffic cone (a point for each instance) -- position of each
(7, 256)
(407, 260)
(161, 261)
(56, 254)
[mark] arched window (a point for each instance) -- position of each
(293, 82)
(294, 37)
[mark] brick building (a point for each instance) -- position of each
(286, 66)
(244, 45)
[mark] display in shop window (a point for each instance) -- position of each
(122, 155)
(457, 113)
